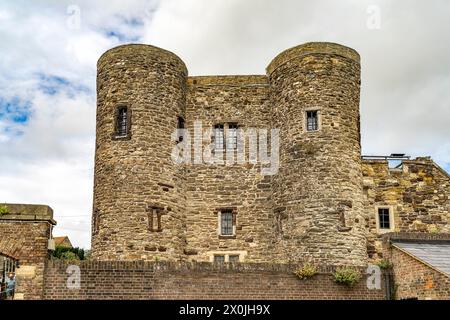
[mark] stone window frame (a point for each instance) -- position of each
(181, 125)
(96, 222)
(226, 128)
(154, 218)
(227, 253)
(319, 120)
(234, 212)
(391, 219)
(115, 135)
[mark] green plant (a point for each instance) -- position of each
(157, 259)
(61, 252)
(69, 255)
(347, 276)
(384, 264)
(3, 210)
(306, 271)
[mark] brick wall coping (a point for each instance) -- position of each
(416, 237)
(190, 266)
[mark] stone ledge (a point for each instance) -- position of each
(190, 266)
(27, 212)
(416, 237)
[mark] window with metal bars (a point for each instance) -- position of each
(312, 120)
(226, 222)
(232, 136)
(233, 258)
(122, 121)
(219, 137)
(384, 218)
(219, 259)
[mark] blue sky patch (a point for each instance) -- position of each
(15, 110)
(51, 85)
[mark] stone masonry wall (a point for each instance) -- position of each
(418, 193)
(26, 241)
(147, 280)
(243, 100)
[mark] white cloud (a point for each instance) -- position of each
(50, 69)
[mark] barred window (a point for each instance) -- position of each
(312, 121)
(226, 223)
(219, 259)
(232, 136)
(233, 258)
(384, 218)
(122, 121)
(219, 137)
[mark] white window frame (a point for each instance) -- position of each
(391, 219)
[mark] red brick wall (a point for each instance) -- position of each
(27, 241)
(415, 279)
(139, 280)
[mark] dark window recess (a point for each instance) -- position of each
(122, 121)
(383, 218)
(154, 219)
(233, 258)
(312, 121)
(219, 142)
(219, 259)
(96, 220)
(226, 223)
(180, 126)
(232, 136)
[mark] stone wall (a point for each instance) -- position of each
(147, 280)
(418, 193)
(25, 231)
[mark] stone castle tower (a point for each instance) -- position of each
(146, 206)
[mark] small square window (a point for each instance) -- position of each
(233, 258)
(219, 259)
(312, 120)
(384, 218)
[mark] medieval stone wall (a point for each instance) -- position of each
(418, 193)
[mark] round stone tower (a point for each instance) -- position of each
(318, 193)
(138, 190)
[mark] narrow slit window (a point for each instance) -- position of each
(312, 121)
(384, 218)
(122, 121)
(219, 137)
(226, 223)
(219, 259)
(232, 136)
(180, 127)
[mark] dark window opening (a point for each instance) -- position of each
(312, 121)
(233, 258)
(180, 126)
(226, 223)
(154, 219)
(384, 218)
(122, 121)
(232, 136)
(219, 143)
(219, 259)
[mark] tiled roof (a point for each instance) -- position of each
(435, 254)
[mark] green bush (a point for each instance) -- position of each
(3, 210)
(347, 276)
(306, 271)
(63, 253)
(384, 264)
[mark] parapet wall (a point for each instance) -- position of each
(174, 280)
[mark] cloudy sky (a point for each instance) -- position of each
(49, 49)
